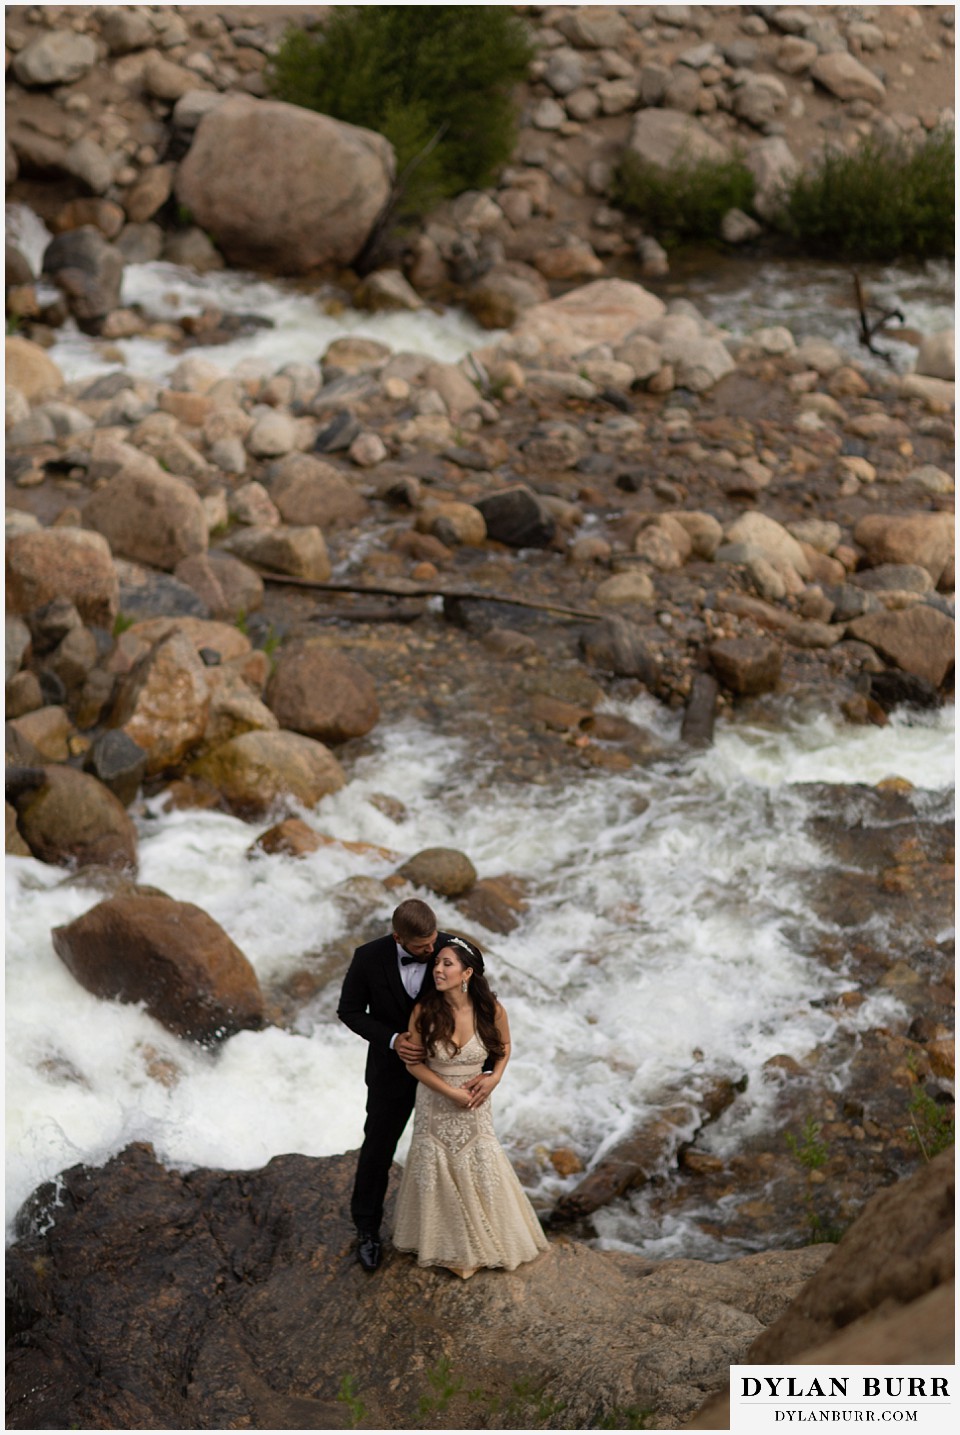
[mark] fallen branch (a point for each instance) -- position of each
(411, 591)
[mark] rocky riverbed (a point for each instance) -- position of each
(221, 585)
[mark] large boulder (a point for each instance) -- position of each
(151, 518)
(299, 551)
(604, 312)
(936, 357)
(163, 704)
(259, 771)
(71, 819)
(169, 955)
(924, 538)
(47, 563)
(283, 188)
(321, 693)
(919, 640)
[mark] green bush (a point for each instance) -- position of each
(887, 201)
(437, 81)
(686, 203)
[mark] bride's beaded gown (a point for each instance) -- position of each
(460, 1203)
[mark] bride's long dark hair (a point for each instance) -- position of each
(436, 1024)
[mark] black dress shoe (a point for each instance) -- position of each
(369, 1250)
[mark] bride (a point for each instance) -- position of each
(460, 1204)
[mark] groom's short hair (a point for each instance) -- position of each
(414, 918)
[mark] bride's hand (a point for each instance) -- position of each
(461, 1097)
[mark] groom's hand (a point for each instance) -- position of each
(408, 1049)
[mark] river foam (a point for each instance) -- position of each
(656, 946)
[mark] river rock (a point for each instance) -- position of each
(58, 57)
(49, 563)
(919, 640)
(72, 819)
(282, 187)
(632, 586)
(17, 639)
(936, 356)
(442, 870)
(169, 955)
(772, 539)
(518, 517)
(620, 647)
(746, 665)
(118, 762)
(660, 137)
(234, 708)
(29, 369)
(163, 704)
(923, 538)
(15, 845)
(847, 79)
(155, 519)
(311, 493)
(604, 312)
(300, 552)
(44, 731)
(258, 771)
(227, 587)
(125, 29)
(88, 269)
(321, 693)
(290, 838)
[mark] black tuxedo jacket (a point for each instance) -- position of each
(374, 1003)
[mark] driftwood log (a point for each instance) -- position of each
(411, 590)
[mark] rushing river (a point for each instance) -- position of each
(661, 902)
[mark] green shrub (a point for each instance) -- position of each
(887, 201)
(437, 81)
(685, 203)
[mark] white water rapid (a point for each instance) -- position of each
(660, 903)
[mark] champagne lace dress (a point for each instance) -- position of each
(460, 1203)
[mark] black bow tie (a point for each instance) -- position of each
(407, 960)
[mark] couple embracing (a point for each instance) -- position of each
(439, 1042)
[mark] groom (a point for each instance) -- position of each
(382, 983)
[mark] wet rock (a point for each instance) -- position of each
(892, 689)
(496, 903)
(279, 186)
(17, 644)
(145, 593)
(518, 517)
(700, 713)
(45, 729)
(919, 640)
(44, 564)
(119, 763)
(163, 704)
(88, 269)
(259, 771)
(74, 820)
(169, 955)
(619, 647)
(321, 693)
(746, 665)
(442, 870)
(298, 551)
(606, 311)
(290, 838)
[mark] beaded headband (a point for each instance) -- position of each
(476, 960)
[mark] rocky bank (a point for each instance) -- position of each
(144, 1299)
(609, 497)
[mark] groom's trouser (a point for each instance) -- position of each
(388, 1110)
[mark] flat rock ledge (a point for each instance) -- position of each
(146, 1298)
